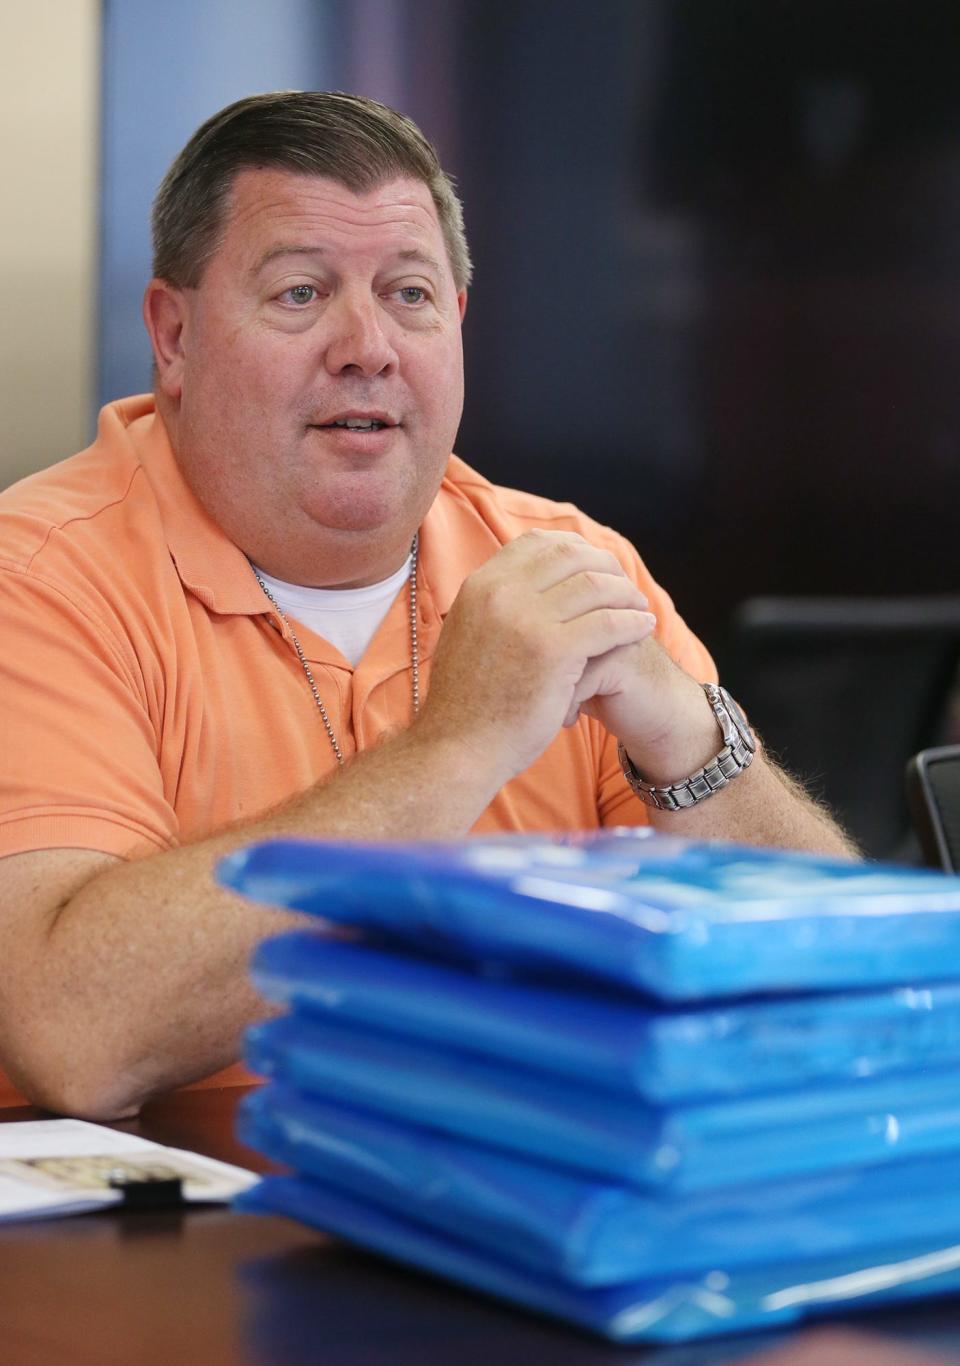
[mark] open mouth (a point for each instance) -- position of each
(356, 424)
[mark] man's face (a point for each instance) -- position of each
(316, 380)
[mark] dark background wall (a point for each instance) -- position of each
(718, 285)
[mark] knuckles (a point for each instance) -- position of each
(550, 545)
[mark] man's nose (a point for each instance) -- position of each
(356, 339)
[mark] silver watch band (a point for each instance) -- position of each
(736, 755)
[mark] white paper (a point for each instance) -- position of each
(63, 1166)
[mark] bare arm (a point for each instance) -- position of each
(667, 727)
(121, 980)
(124, 979)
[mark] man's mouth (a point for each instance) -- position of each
(356, 423)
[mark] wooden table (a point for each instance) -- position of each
(208, 1286)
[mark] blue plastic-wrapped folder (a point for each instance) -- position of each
(616, 1040)
(659, 1089)
(588, 1231)
(683, 1148)
(666, 1309)
(680, 920)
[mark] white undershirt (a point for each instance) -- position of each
(347, 617)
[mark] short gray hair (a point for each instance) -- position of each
(355, 141)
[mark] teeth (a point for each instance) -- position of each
(360, 424)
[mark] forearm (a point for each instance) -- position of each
(140, 982)
(669, 730)
(763, 805)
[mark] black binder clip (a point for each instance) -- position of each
(147, 1192)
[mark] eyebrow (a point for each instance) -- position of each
(289, 249)
(418, 258)
(284, 249)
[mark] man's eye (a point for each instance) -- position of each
(300, 294)
(412, 294)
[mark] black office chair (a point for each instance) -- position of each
(933, 794)
(843, 691)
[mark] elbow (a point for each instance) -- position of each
(84, 1098)
(75, 1086)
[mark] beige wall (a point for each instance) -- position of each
(49, 121)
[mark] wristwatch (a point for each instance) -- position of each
(739, 747)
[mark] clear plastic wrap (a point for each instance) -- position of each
(681, 920)
(617, 1040)
(592, 1232)
(665, 1309)
(683, 1148)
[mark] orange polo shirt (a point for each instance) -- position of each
(151, 696)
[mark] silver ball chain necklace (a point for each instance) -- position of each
(414, 651)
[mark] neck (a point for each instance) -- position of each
(341, 573)
(296, 586)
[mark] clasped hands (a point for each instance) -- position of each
(552, 627)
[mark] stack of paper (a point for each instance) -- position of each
(661, 1089)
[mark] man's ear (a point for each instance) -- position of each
(165, 315)
(462, 303)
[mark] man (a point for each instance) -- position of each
(180, 676)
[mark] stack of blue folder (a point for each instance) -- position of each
(661, 1089)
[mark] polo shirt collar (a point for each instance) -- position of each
(454, 539)
(209, 564)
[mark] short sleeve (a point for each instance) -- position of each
(79, 764)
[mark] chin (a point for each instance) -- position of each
(369, 521)
(362, 510)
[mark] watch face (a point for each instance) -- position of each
(740, 721)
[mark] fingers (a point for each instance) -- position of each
(604, 675)
(548, 558)
(590, 589)
(546, 581)
(604, 631)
